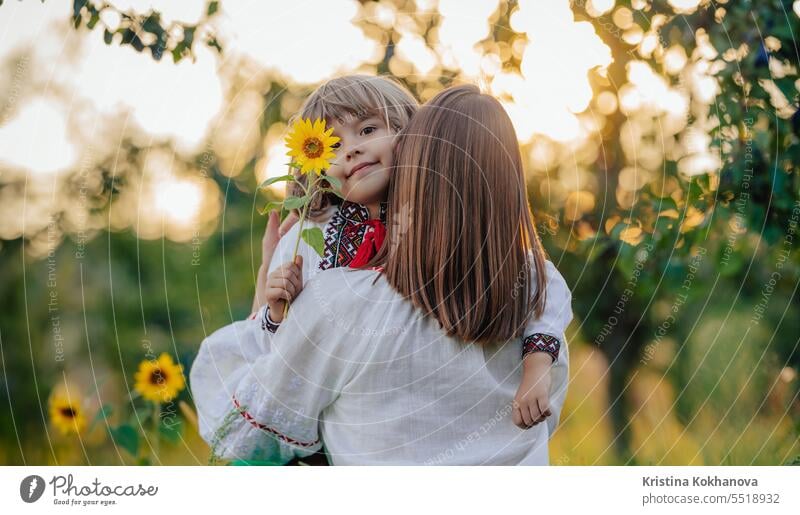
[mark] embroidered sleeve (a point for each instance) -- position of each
(267, 324)
(540, 342)
(225, 360)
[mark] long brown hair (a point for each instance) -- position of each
(360, 96)
(461, 243)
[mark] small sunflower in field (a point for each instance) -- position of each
(159, 380)
(66, 414)
(311, 145)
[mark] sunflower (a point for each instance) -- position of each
(159, 380)
(66, 415)
(310, 145)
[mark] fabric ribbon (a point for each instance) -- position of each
(373, 239)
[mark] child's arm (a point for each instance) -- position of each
(545, 361)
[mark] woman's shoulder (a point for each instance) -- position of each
(350, 289)
(345, 282)
(357, 301)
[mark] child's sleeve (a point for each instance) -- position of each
(547, 333)
(269, 408)
(225, 357)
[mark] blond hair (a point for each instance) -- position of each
(359, 96)
(461, 243)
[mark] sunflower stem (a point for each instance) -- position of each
(156, 421)
(300, 234)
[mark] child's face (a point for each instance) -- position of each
(363, 158)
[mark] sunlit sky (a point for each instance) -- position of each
(74, 88)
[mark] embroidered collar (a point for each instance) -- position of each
(345, 233)
(357, 213)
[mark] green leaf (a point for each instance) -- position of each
(314, 238)
(108, 36)
(213, 43)
(140, 413)
(171, 431)
(77, 7)
(105, 411)
(269, 207)
(188, 36)
(152, 24)
(212, 8)
(295, 202)
(177, 52)
(787, 87)
(331, 190)
(93, 20)
(126, 437)
(273, 180)
(333, 181)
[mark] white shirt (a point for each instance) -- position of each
(358, 367)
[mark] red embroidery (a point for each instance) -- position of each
(344, 234)
(247, 416)
(540, 342)
(373, 239)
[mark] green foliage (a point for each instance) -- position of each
(126, 437)
(314, 238)
(146, 31)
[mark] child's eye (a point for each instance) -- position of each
(366, 131)
(336, 145)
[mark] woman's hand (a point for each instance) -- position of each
(532, 401)
(272, 235)
(283, 285)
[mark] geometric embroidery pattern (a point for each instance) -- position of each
(345, 233)
(267, 324)
(540, 342)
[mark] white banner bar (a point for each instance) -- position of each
(401, 490)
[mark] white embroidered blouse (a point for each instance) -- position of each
(343, 232)
(358, 367)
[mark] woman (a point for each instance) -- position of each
(416, 360)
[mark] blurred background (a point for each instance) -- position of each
(660, 141)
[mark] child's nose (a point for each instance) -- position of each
(352, 152)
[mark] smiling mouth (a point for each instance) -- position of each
(361, 167)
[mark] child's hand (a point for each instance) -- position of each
(283, 285)
(272, 234)
(532, 401)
